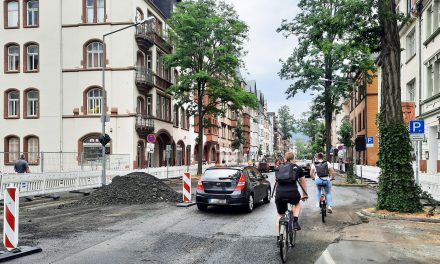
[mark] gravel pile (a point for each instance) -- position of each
(134, 188)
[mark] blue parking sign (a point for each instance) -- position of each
(370, 140)
(416, 127)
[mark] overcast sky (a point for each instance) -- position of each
(266, 47)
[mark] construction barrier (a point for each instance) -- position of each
(186, 187)
(10, 221)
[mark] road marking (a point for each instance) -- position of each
(328, 258)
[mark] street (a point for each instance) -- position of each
(163, 233)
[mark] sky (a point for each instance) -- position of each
(266, 47)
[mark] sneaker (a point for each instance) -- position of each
(329, 209)
(296, 226)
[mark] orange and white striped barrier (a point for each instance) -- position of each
(10, 221)
(186, 187)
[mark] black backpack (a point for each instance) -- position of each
(321, 169)
(286, 174)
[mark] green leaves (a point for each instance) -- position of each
(287, 121)
(345, 133)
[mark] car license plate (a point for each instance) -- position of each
(217, 201)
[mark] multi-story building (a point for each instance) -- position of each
(52, 80)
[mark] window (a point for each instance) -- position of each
(31, 13)
(149, 106)
(95, 54)
(32, 58)
(161, 69)
(409, 6)
(12, 52)
(94, 101)
(12, 149)
(176, 115)
(430, 81)
(182, 118)
(410, 45)
(11, 14)
(31, 103)
(410, 97)
(163, 107)
(12, 104)
(90, 149)
(140, 106)
(429, 21)
(31, 148)
(139, 15)
(187, 119)
(94, 11)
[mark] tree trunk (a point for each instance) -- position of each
(328, 138)
(200, 137)
(391, 105)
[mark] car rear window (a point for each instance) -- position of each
(221, 173)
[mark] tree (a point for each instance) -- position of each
(314, 128)
(328, 47)
(345, 134)
(397, 190)
(208, 39)
(303, 150)
(239, 140)
(287, 121)
(318, 144)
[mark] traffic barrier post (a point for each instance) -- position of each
(10, 227)
(186, 180)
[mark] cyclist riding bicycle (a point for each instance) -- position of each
(287, 189)
(322, 173)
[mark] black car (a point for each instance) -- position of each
(232, 186)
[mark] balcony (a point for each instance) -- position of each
(144, 79)
(144, 125)
(211, 138)
(161, 83)
(147, 36)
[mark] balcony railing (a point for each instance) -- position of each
(144, 79)
(144, 124)
(147, 36)
(161, 83)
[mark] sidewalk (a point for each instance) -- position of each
(385, 241)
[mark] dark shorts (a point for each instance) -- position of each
(283, 198)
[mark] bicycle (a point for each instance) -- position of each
(323, 200)
(287, 233)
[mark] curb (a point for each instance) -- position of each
(413, 219)
(350, 185)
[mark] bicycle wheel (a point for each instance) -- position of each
(284, 244)
(323, 211)
(292, 238)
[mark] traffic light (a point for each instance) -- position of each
(104, 140)
(360, 143)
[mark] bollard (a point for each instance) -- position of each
(186, 180)
(10, 228)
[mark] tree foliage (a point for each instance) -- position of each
(345, 133)
(287, 121)
(208, 42)
(328, 47)
(303, 150)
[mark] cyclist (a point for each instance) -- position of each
(287, 190)
(322, 173)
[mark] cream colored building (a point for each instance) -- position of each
(52, 80)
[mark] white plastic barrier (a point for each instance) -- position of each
(30, 184)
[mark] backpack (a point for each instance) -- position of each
(321, 169)
(286, 174)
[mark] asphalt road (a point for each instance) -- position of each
(163, 233)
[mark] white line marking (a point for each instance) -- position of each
(328, 258)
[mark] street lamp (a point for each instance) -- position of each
(354, 112)
(104, 118)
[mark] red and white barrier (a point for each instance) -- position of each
(10, 221)
(186, 187)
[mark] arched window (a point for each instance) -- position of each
(140, 59)
(94, 11)
(12, 53)
(139, 15)
(12, 104)
(12, 149)
(89, 148)
(140, 106)
(187, 119)
(31, 52)
(31, 16)
(94, 101)
(94, 54)
(31, 149)
(176, 115)
(32, 99)
(11, 14)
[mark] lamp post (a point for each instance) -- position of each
(354, 113)
(104, 118)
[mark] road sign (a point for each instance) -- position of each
(151, 138)
(150, 147)
(417, 137)
(370, 142)
(416, 127)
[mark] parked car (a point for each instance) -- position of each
(271, 163)
(263, 166)
(306, 165)
(232, 186)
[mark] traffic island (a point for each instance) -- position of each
(416, 217)
(347, 184)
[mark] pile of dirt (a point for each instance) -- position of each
(134, 188)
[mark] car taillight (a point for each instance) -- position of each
(241, 183)
(200, 185)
